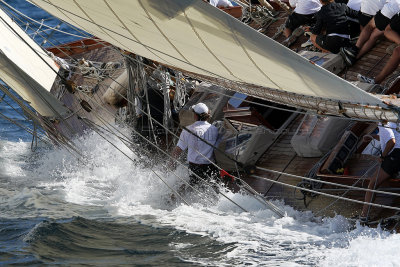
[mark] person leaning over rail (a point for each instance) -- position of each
(389, 138)
(200, 143)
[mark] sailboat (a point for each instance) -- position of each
(292, 128)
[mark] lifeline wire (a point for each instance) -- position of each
(172, 158)
(125, 139)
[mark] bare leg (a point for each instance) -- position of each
(390, 66)
(392, 35)
(287, 32)
(373, 184)
(365, 33)
(370, 43)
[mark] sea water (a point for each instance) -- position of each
(109, 208)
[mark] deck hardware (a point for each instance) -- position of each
(86, 106)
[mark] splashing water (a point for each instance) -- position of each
(109, 185)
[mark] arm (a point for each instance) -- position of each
(369, 137)
(180, 147)
(389, 146)
(375, 136)
(351, 12)
(318, 25)
(176, 152)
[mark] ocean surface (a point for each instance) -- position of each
(108, 211)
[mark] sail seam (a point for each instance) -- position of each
(101, 28)
(205, 45)
(252, 60)
(131, 33)
(162, 33)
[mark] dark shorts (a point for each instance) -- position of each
(296, 20)
(395, 23)
(332, 43)
(364, 19)
(381, 21)
(354, 27)
(206, 172)
(391, 163)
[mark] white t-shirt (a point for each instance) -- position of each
(372, 6)
(387, 133)
(354, 4)
(221, 3)
(198, 151)
(305, 7)
(391, 8)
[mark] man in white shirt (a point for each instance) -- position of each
(368, 10)
(389, 138)
(199, 139)
(354, 4)
(303, 14)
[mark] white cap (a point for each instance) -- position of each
(200, 108)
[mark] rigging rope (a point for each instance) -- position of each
(59, 139)
(348, 190)
(167, 154)
(172, 189)
(256, 194)
(151, 66)
(203, 155)
(220, 80)
(334, 184)
(125, 140)
(290, 110)
(328, 195)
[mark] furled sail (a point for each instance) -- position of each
(193, 36)
(28, 73)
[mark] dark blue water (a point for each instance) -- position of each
(109, 211)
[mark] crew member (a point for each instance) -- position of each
(389, 138)
(199, 139)
(332, 19)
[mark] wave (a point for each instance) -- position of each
(100, 242)
(125, 188)
(115, 206)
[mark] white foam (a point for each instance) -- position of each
(125, 188)
(11, 156)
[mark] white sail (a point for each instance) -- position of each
(26, 68)
(193, 36)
